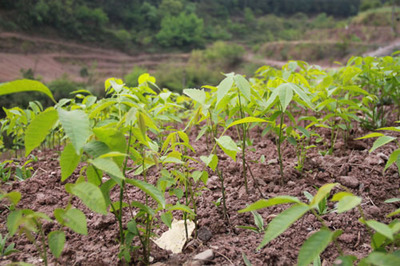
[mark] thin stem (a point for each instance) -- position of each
(279, 148)
(221, 178)
(43, 240)
(244, 173)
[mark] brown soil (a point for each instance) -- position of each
(350, 165)
(51, 59)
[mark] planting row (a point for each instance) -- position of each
(118, 139)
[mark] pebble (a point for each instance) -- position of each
(272, 161)
(204, 234)
(348, 181)
(205, 255)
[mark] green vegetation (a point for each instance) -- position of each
(116, 140)
(174, 23)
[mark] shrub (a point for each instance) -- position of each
(181, 31)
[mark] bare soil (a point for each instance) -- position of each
(350, 164)
(51, 59)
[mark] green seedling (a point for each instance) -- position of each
(385, 235)
(258, 221)
(382, 140)
(4, 249)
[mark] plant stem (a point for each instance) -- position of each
(221, 178)
(43, 240)
(279, 148)
(244, 172)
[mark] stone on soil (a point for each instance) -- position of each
(205, 255)
(348, 181)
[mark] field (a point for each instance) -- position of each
(299, 161)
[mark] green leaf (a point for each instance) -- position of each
(261, 204)
(94, 175)
(114, 139)
(25, 85)
(13, 221)
(166, 217)
(72, 218)
(101, 106)
(143, 207)
(224, 87)
(381, 141)
(392, 200)
(228, 146)
(313, 246)
(348, 203)
(39, 128)
(394, 156)
(338, 196)
(245, 259)
(110, 167)
(91, 196)
(271, 99)
(96, 148)
(302, 95)
(381, 228)
(383, 259)
(181, 207)
(196, 95)
(282, 222)
(149, 189)
(346, 260)
(14, 197)
(321, 194)
(371, 135)
(258, 220)
(76, 126)
(247, 120)
(56, 242)
(285, 95)
(210, 161)
(243, 85)
(69, 160)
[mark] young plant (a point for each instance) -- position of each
(281, 93)
(385, 235)
(30, 223)
(258, 221)
(4, 249)
(383, 139)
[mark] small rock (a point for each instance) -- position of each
(276, 189)
(347, 238)
(348, 181)
(192, 263)
(383, 156)
(372, 211)
(272, 161)
(212, 182)
(205, 255)
(204, 234)
(261, 182)
(357, 145)
(373, 160)
(291, 183)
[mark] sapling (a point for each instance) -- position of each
(385, 235)
(30, 223)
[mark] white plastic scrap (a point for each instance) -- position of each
(175, 238)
